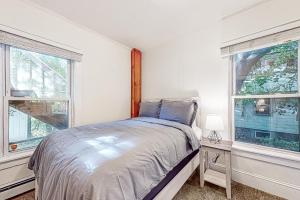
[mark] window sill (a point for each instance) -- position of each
(15, 156)
(267, 154)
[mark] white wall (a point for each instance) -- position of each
(268, 17)
(193, 63)
(102, 79)
(188, 66)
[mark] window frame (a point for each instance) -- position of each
(6, 97)
(2, 92)
(233, 96)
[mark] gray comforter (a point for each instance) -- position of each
(110, 161)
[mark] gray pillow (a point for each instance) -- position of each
(179, 111)
(150, 109)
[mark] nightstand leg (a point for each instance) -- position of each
(206, 161)
(202, 167)
(228, 174)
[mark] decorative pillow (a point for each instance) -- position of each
(179, 111)
(150, 109)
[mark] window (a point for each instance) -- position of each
(36, 92)
(266, 96)
(262, 134)
(37, 97)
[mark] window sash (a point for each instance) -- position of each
(6, 120)
(232, 126)
(8, 81)
(233, 80)
(7, 74)
(265, 147)
(265, 96)
(233, 96)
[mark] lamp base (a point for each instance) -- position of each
(214, 137)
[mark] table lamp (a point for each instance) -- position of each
(214, 123)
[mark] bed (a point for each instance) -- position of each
(140, 158)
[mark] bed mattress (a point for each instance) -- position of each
(152, 194)
(119, 160)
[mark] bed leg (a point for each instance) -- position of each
(202, 167)
(36, 190)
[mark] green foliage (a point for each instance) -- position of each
(279, 143)
(45, 75)
(274, 72)
(57, 64)
(39, 128)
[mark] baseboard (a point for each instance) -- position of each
(272, 186)
(17, 190)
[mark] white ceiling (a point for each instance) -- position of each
(145, 23)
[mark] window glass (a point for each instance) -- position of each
(268, 70)
(30, 121)
(37, 75)
(272, 122)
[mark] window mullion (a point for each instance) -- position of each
(38, 99)
(266, 96)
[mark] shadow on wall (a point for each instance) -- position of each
(181, 94)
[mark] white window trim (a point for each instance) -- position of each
(2, 92)
(286, 156)
(268, 132)
(5, 155)
(71, 86)
(267, 154)
(16, 156)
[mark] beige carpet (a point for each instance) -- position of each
(192, 191)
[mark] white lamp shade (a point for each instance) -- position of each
(214, 123)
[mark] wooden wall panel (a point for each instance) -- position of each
(136, 81)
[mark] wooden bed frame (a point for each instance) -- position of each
(171, 189)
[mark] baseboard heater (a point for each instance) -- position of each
(8, 187)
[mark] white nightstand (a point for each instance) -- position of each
(222, 149)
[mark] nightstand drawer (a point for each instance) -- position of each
(212, 151)
(215, 156)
